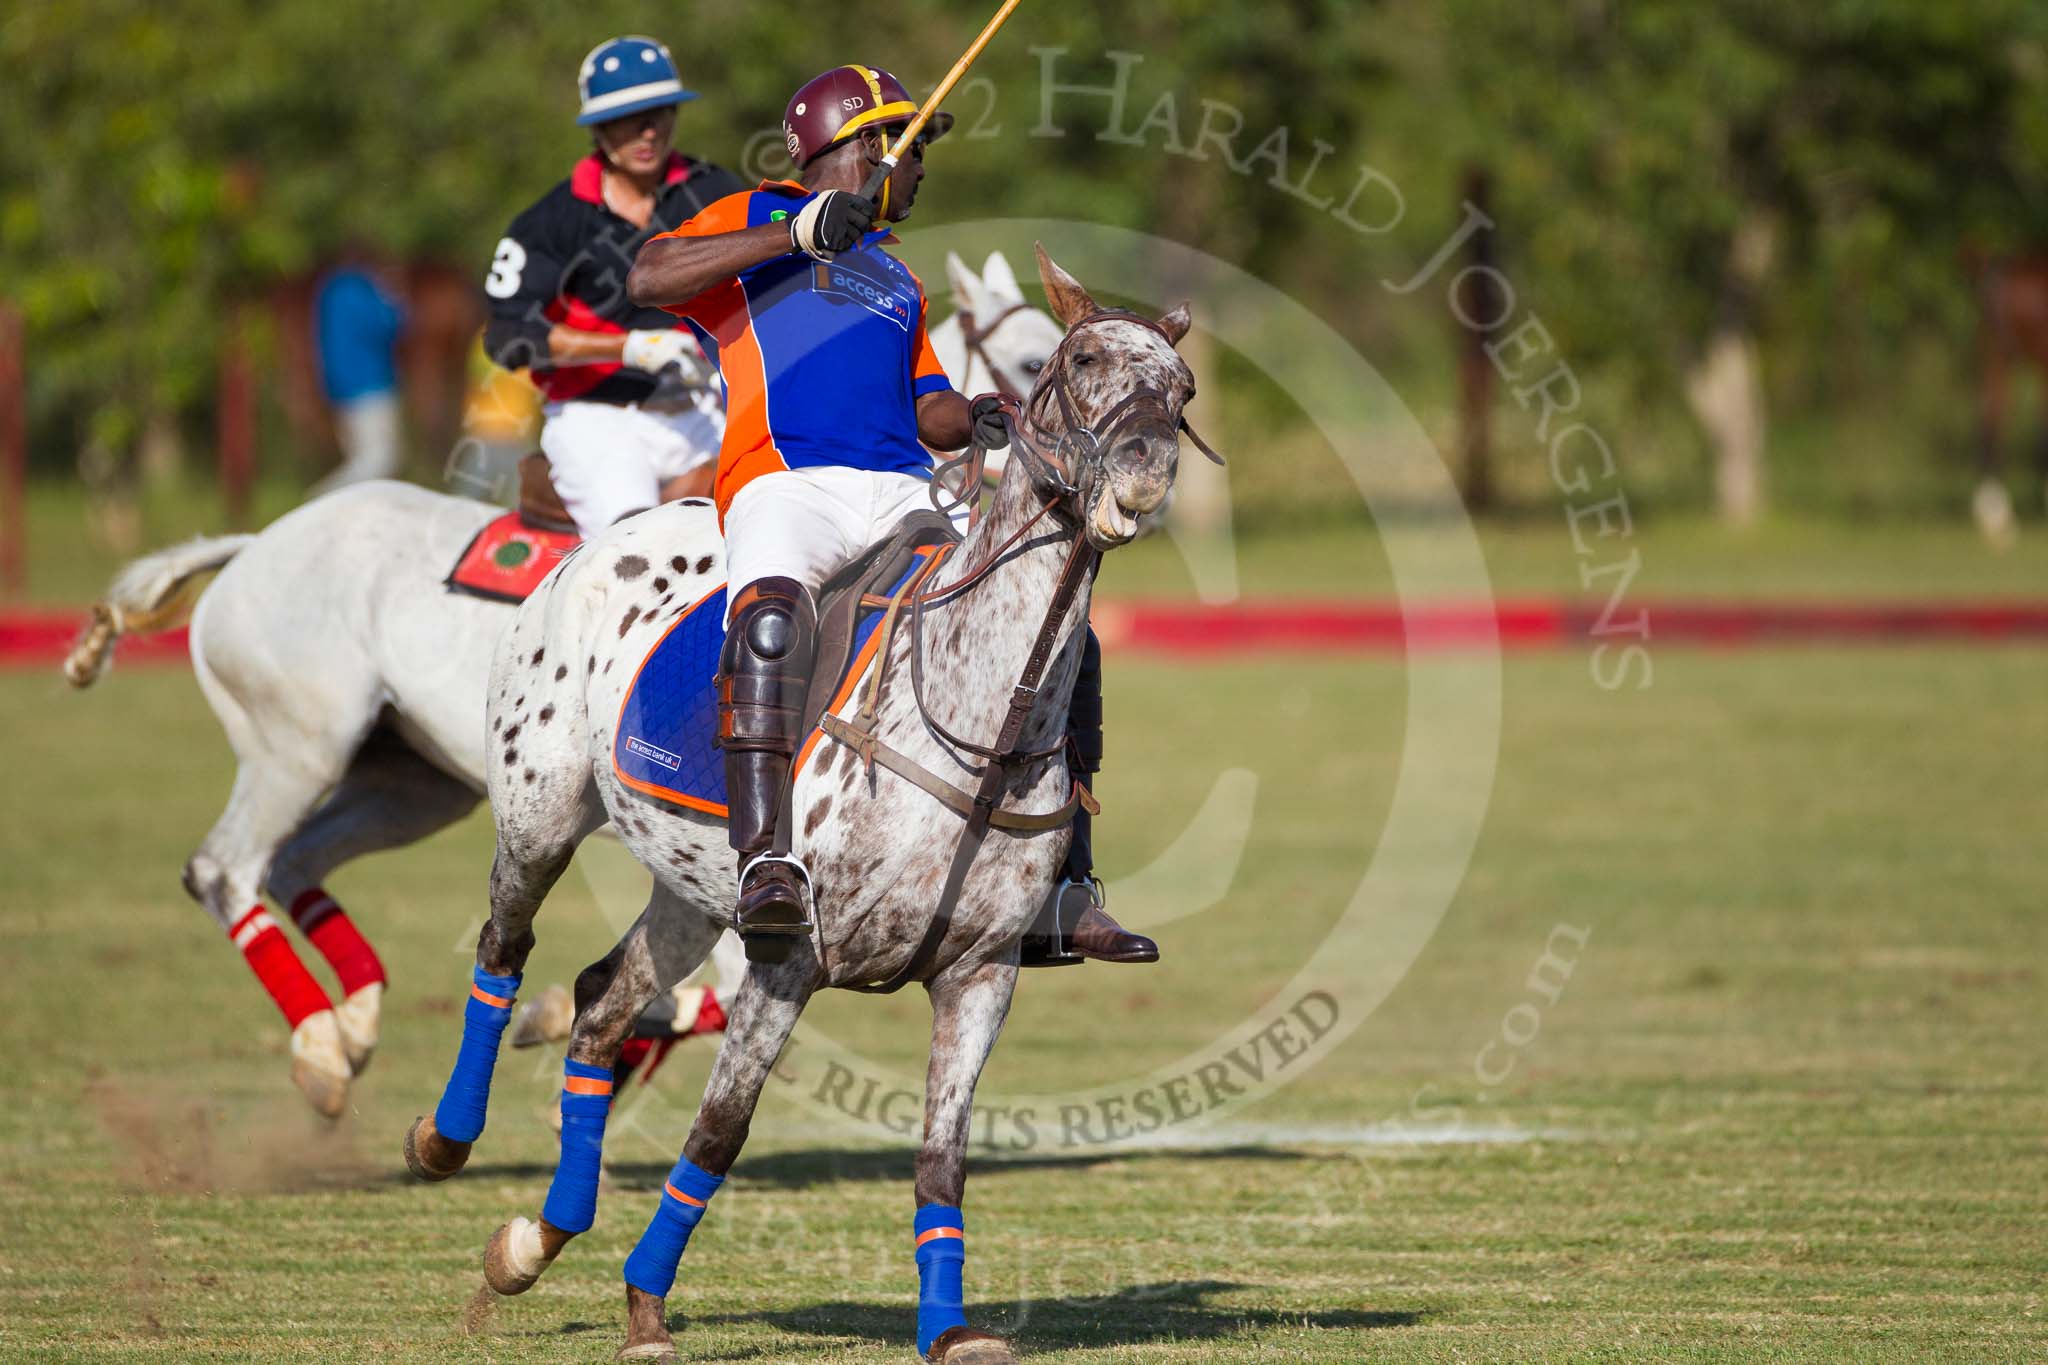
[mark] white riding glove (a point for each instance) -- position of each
(654, 351)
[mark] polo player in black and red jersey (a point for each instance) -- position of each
(559, 307)
(831, 413)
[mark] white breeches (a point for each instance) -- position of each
(807, 524)
(369, 428)
(609, 459)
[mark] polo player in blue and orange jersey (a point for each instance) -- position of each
(833, 395)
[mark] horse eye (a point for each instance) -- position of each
(1033, 366)
(1083, 358)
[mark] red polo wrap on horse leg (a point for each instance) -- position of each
(270, 956)
(632, 1052)
(710, 1017)
(330, 930)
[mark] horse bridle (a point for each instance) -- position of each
(1071, 466)
(1090, 442)
(976, 339)
(1066, 462)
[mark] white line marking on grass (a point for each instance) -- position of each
(1250, 1135)
(1353, 1135)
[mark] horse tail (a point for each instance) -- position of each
(153, 593)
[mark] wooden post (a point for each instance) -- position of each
(235, 419)
(1475, 370)
(13, 451)
(1725, 385)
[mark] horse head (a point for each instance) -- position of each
(1102, 426)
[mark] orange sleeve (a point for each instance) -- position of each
(927, 375)
(725, 215)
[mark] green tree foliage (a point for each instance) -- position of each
(1632, 138)
(160, 162)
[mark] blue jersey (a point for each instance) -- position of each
(823, 361)
(356, 326)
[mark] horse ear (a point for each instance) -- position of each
(1070, 302)
(1000, 279)
(967, 291)
(1176, 323)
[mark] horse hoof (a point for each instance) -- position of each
(430, 1156)
(357, 1017)
(647, 1335)
(546, 1020)
(320, 1066)
(515, 1257)
(970, 1346)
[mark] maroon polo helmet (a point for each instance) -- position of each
(835, 106)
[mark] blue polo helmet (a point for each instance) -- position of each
(626, 75)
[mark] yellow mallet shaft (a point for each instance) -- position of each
(931, 105)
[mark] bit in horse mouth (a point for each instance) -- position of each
(1110, 522)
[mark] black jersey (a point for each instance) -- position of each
(565, 261)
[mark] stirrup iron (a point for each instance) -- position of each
(1050, 948)
(803, 877)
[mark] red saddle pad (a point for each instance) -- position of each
(508, 558)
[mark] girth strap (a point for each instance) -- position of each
(954, 798)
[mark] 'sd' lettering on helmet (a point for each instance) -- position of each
(837, 105)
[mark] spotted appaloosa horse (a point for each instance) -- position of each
(878, 847)
(349, 682)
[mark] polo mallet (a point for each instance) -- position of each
(879, 177)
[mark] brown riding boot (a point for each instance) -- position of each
(1098, 936)
(1073, 927)
(761, 683)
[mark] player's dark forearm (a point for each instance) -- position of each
(943, 422)
(674, 270)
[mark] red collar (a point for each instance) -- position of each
(586, 181)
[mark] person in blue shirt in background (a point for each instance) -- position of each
(356, 326)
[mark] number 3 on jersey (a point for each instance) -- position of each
(506, 267)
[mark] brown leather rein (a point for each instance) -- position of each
(976, 339)
(1069, 468)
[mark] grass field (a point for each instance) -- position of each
(1527, 555)
(1790, 1103)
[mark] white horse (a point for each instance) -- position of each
(995, 637)
(350, 683)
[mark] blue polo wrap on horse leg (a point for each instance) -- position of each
(586, 1102)
(941, 1238)
(651, 1268)
(460, 1115)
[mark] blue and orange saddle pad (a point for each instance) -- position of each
(664, 743)
(663, 746)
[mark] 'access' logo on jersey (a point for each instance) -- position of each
(882, 297)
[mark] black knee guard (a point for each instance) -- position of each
(761, 682)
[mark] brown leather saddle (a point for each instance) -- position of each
(540, 506)
(866, 581)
